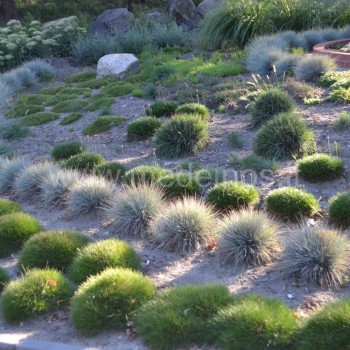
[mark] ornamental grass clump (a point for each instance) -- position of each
(194, 108)
(66, 150)
(85, 161)
(291, 203)
(181, 136)
(111, 170)
(183, 226)
(233, 195)
(53, 249)
(91, 193)
(270, 103)
(286, 135)
(317, 255)
(328, 328)
(132, 209)
(38, 292)
(255, 322)
(248, 238)
(10, 169)
(320, 167)
(143, 128)
(109, 300)
(178, 185)
(183, 314)
(28, 183)
(162, 109)
(96, 257)
(8, 207)
(208, 177)
(339, 210)
(145, 174)
(15, 229)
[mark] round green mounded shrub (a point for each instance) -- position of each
(66, 150)
(143, 128)
(96, 257)
(39, 291)
(4, 279)
(270, 103)
(183, 314)
(320, 167)
(109, 300)
(286, 135)
(181, 136)
(8, 207)
(111, 170)
(247, 238)
(339, 209)
(51, 249)
(145, 174)
(233, 195)
(177, 185)
(162, 109)
(85, 161)
(328, 328)
(291, 203)
(193, 108)
(15, 229)
(317, 255)
(183, 226)
(255, 322)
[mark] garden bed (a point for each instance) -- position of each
(331, 48)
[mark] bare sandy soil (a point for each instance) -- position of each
(169, 269)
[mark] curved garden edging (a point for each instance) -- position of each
(325, 48)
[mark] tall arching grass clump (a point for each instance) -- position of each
(287, 135)
(98, 256)
(28, 183)
(38, 292)
(55, 249)
(132, 209)
(9, 171)
(317, 255)
(91, 193)
(109, 300)
(183, 314)
(180, 136)
(55, 187)
(247, 238)
(183, 226)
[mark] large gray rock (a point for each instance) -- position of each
(157, 16)
(118, 65)
(185, 13)
(207, 6)
(114, 21)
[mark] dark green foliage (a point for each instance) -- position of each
(270, 103)
(85, 161)
(38, 292)
(109, 300)
(80, 77)
(4, 279)
(291, 203)
(258, 163)
(342, 122)
(8, 207)
(162, 109)
(22, 110)
(255, 322)
(339, 209)
(39, 118)
(284, 136)
(143, 128)
(233, 195)
(15, 229)
(235, 140)
(183, 314)
(70, 106)
(180, 136)
(328, 328)
(111, 170)
(71, 118)
(66, 150)
(14, 131)
(98, 256)
(193, 108)
(99, 104)
(102, 124)
(145, 174)
(209, 176)
(178, 185)
(320, 167)
(118, 89)
(55, 250)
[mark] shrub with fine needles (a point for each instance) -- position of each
(339, 209)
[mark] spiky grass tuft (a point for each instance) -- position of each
(10, 169)
(339, 209)
(8, 207)
(133, 208)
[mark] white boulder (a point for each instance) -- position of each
(117, 65)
